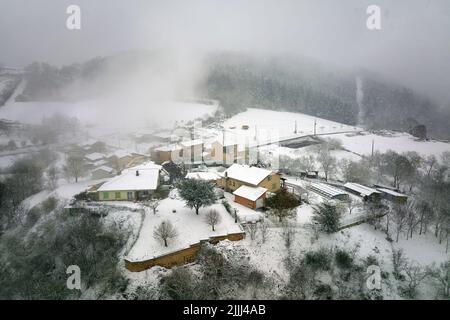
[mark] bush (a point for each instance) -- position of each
(227, 206)
(318, 260)
(343, 259)
(33, 216)
(49, 204)
(37, 263)
(327, 216)
(371, 260)
(178, 285)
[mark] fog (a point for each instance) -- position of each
(412, 48)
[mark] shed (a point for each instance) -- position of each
(329, 192)
(252, 197)
(367, 193)
(393, 196)
(102, 172)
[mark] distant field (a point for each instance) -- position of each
(110, 114)
(399, 142)
(281, 124)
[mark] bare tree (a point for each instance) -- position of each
(252, 230)
(75, 167)
(351, 205)
(414, 275)
(429, 164)
(327, 161)
(400, 215)
(425, 214)
(412, 219)
(288, 234)
(165, 231)
(152, 204)
(212, 218)
(52, 178)
(442, 276)
(264, 228)
(399, 261)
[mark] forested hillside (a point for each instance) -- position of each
(240, 81)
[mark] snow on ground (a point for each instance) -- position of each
(36, 199)
(423, 249)
(7, 161)
(244, 213)
(268, 124)
(191, 228)
(304, 214)
(101, 112)
(399, 142)
(68, 190)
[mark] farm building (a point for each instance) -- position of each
(192, 151)
(229, 152)
(172, 152)
(94, 157)
(163, 136)
(136, 183)
(119, 158)
(393, 196)
(367, 193)
(102, 172)
(250, 197)
(238, 175)
(328, 191)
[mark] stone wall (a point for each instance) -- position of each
(179, 257)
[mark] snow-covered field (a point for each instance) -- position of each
(191, 228)
(110, 115)
(279, 124)
(400, 142)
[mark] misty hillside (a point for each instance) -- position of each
(239, 81)
(8, 83)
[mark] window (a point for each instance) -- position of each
(269, 178)
(117, 195)
(129, 195)
(105, 195)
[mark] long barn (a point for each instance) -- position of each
(328, 191)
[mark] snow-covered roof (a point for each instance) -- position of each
(245, 173)
(163, 135)
(190, 143)
(94, 156)
(100, 163)
(207, 176)
(250, 193)
(149, 165)
(392, 192)
(363, 190)
(327, 189)
(119, 153)
(169, 148)
(104, 168)
(146, 180)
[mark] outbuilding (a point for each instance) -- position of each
(367, 193)
(251, 197)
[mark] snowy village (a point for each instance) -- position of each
(229, 192)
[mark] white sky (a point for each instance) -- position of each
(413, 46)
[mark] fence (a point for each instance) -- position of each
(353, 221)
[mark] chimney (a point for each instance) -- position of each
(137, 173)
